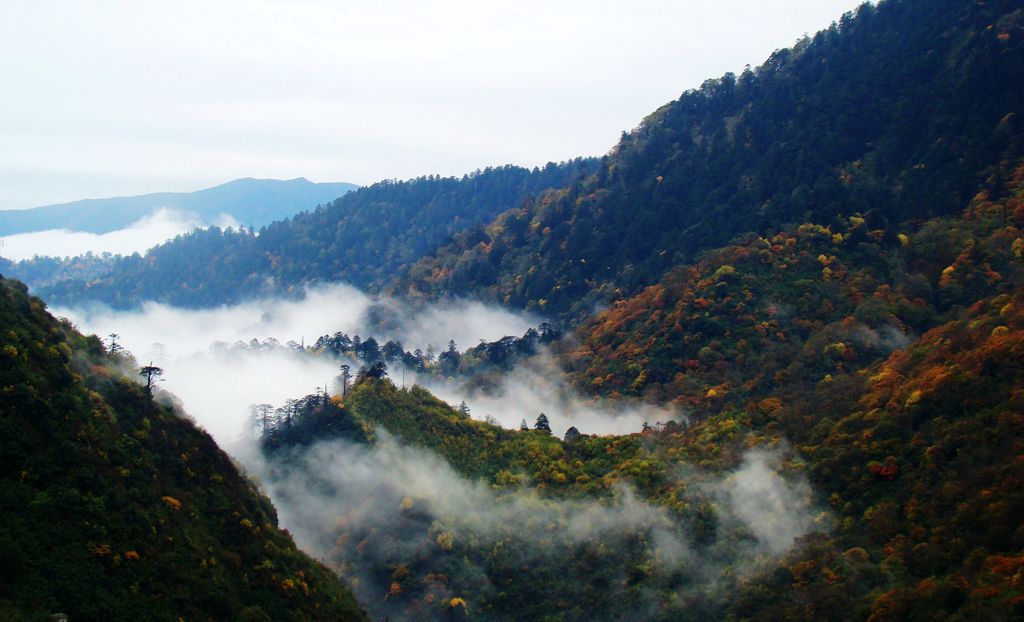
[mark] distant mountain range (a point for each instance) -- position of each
(252, 202)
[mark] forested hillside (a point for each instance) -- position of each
(362, 239)
(882, 367)
(902, 110)
(816, 266)
(115, 507)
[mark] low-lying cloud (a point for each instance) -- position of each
(152, 230)
(538, 385)
(217, 383)
(371, 510)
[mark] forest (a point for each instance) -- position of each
(812, 270)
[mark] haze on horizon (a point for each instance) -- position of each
(115, 98)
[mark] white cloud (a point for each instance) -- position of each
(347, 504)
(217, 384)
(158, 227)
(540, 386)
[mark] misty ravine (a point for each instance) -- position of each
(378, 511)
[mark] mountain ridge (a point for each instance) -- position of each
(250, 201)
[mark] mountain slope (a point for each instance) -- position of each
(903, 108)
(883, 364)
(113, 507)
(252, 202)
(802, 305)
(892, 360)
(362, 238)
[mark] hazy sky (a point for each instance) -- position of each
(110, 98)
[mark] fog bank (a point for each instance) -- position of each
(367, 510)
(158, 227)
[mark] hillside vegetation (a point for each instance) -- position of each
(114, 507)
(902, 109)
(361, 238)
(884, 370)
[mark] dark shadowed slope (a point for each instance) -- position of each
(113, 507)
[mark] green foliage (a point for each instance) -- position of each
(902, 109)
(113, 507)
(363, 238)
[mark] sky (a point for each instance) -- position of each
(110, 98)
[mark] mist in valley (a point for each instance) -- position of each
(392, 519)
(371, 511)
(159, 226)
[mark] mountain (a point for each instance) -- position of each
(251, 202)
(361, 238)
(880, 367)
(815, 268)
(901, 110)
(116, 507)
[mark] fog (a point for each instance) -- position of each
(538, 385)
(366, 508)
(216, 384)
(158, 227)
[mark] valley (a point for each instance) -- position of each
(761, 361)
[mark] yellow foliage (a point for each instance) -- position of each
(914, 398)
(445, 540)
(903, 238)
(457, 602)
(171, 502)
(406, 504)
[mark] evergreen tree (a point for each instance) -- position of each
(542, 424)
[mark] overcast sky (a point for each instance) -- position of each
(109, 98)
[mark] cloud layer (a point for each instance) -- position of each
(217, 383)
(161, 225)
(368, 508)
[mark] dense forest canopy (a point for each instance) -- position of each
(818, 263)
(901, 110)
